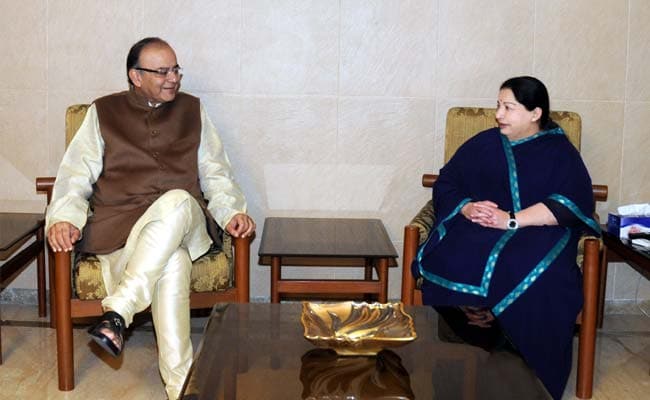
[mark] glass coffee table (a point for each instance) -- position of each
(257, 351)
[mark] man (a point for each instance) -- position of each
(131, 189)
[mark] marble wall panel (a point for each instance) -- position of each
(481, 44)
(384, 131)
(580, 48)
(58, 102)
(225, 113)
(276, 135)
(601, 145)
(388, 47)
(635, 171)
(393, 136)
(290, 46)
(206, 36)
(638, 75)
(23, 45)
(88, 42)
(22, 157)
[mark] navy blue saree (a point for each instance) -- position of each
(528, 277)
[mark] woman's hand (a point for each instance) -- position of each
(486, 213)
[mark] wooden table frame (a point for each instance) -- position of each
(615, 250)
(17, 228)
(327, 242)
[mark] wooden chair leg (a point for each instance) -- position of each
(65, 355)
(587, 338)
(242, 266)
(411, 239)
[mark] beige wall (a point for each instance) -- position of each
(334, 108)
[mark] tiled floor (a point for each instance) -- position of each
(29, 354)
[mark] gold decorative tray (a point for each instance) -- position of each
(352, 328)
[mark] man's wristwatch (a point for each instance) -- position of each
(512, 222)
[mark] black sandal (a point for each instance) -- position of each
(113, 322)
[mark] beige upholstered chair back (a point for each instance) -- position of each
(74, 116)
(465, 122)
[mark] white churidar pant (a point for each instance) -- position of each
(153, 269)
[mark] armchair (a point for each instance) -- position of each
(462, 123)
(218, 276)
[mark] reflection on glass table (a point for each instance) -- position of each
(258, 351)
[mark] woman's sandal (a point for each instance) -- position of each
(113, 322)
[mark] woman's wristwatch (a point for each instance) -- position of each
(512, 222)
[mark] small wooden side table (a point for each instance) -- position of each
(617, 250)
(327, 242)
(16, 229)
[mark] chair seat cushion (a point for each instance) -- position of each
(210, 272)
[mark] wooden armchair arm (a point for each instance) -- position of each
(428, 179)
(45, 184)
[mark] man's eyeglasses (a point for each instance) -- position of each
(163, 72)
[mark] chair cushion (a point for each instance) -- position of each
(210, 272)
(424, 221)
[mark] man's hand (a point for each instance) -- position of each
(241, 225)
(62, 236)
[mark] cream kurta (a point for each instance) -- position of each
(82, 165)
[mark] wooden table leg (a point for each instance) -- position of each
(276, 275)
(382, 272)
(40, 274)
(0, 341)
(367, 271)
(602, 287)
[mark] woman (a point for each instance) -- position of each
(511, 204)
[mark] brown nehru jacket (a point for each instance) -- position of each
(148, 151)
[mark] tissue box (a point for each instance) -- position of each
(620, 225)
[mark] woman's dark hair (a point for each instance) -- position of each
(532, 93)
(133, 57)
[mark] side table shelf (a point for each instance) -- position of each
(15, 230)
